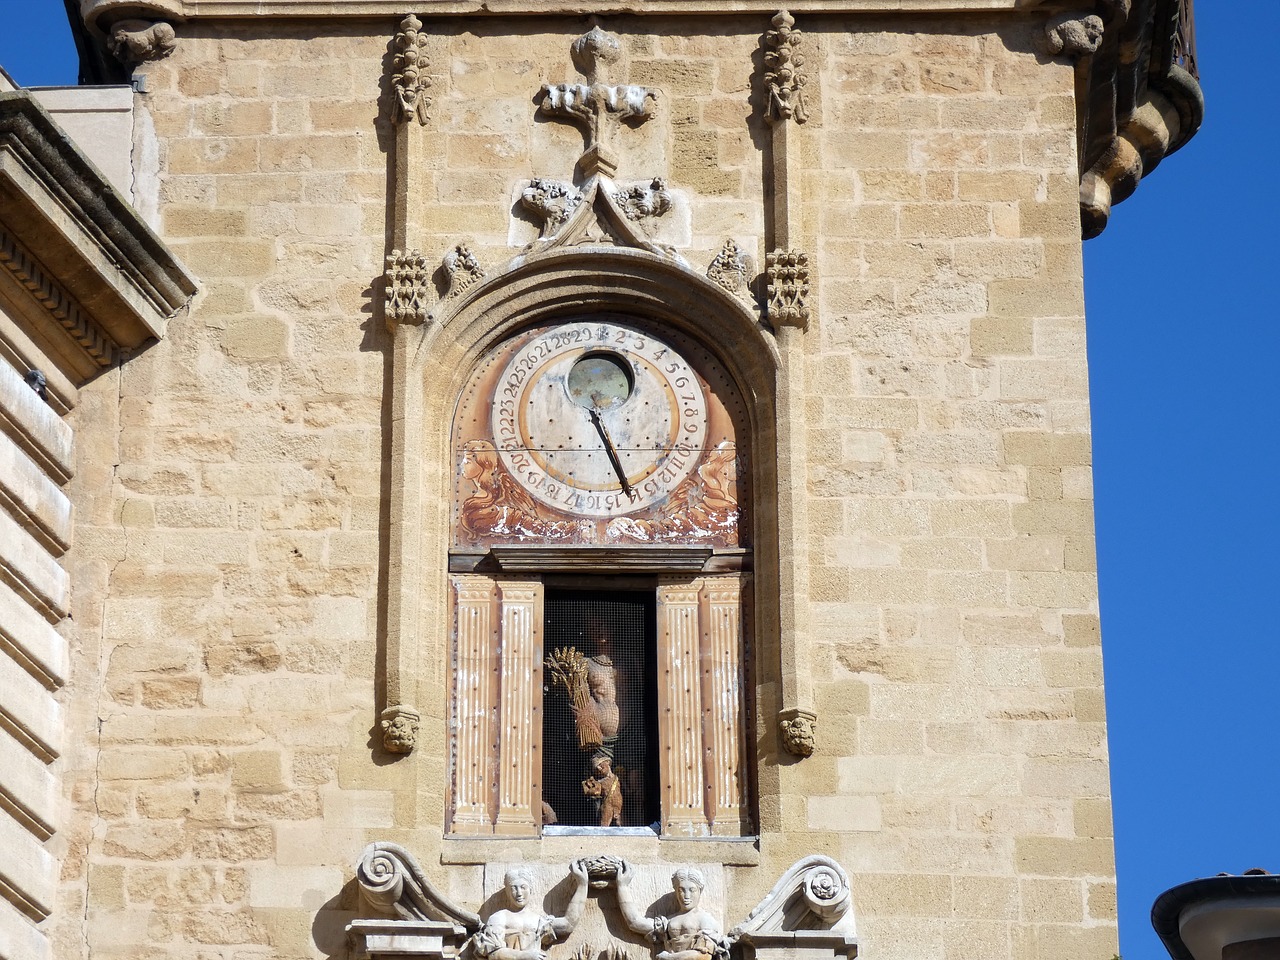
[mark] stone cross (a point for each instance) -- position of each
(597, 103)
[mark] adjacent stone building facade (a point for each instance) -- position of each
(287, 604)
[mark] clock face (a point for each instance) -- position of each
(598, 419)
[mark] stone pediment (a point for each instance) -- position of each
(598, 214)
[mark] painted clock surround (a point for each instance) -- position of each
(532, 466)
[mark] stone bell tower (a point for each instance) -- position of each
(598, 483)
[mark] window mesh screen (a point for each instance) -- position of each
(599, 739)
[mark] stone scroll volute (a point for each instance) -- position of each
(808, 915)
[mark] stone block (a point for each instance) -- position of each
(1064, 857)
(844, 814)
(257, 770)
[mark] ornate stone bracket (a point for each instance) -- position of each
(140, 41)
(409, 84)
(798, 729)
(597, 103)
(807, 914)
(408, 277)
(787, 272)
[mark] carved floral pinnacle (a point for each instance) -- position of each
(462, 269)
(551, 201)
(783, 60)
(787, 272)
(729, 270)
(409, 83)
(407, 277)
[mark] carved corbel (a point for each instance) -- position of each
(787, 273)
(1073, 35)
(785, 81)
(799, 731)
(462, 269)
(399, 725)
(407, 277)
(730, 269)
(409, 82)
(141, 41)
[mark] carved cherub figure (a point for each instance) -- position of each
(520, 931)
(603, 785)
(691, 934)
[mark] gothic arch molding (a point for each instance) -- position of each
(431, 367)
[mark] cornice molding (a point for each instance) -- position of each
(104, 278)
(1136, 103)
(98, 14)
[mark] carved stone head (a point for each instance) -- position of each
(687, 883)
(399, 732)
(798, 736)
(518, 882)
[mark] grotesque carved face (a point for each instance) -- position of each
(399, 734)
(798, 736)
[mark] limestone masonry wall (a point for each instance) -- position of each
(233, 481)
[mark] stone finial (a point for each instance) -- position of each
(399, 725)
(799, 731)
(407, 277)
(597, 103)
(782, 61)
(139, 41)
(1073, 36)
(787, 272)
(593, 52)
(462, 268)
(730, 269)
(644, 200)
(409, 83)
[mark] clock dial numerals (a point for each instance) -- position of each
(598, 419)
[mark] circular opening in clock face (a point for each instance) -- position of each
(600, 380)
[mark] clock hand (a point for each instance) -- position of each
(612, 452)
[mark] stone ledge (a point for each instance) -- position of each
(100, 13)
(106, 282)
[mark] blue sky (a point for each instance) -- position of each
(1184, 342)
